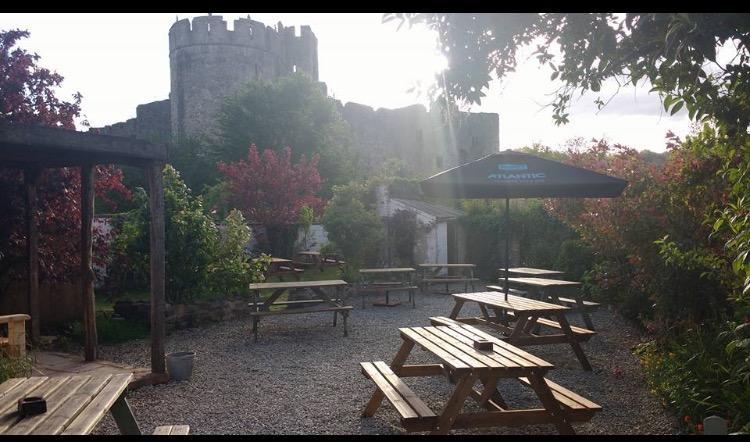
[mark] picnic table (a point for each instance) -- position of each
(429, 274)
(330, 303)
(385, 283)
(551, 289)
(317, 259)
(463, 366)
(75, 404)
(517, 318)
(282, 266)
(530, 272)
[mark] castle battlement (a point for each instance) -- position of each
(212, 30)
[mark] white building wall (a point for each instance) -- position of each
(316, 237)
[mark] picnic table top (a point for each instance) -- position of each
(453, 346)
(75, 404)
(447, 265)
(388, 270)
(543, 282)
(513, 303)
(297, 284)
(532, 271)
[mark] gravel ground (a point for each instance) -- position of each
(303, 376)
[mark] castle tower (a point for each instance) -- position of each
(208, 62)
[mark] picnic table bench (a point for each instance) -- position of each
(517, 318)
(330, 303)
(75, 405)
(463, 365)
(386, 284)
(429, 274)
(552, 289)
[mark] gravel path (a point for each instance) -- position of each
(303, 376)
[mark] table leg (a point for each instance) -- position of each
(519, 327)
(345, 316)
(456, 308)
(377, 396)
(490, 394)
(255, 328)
(455, 403)
(123, 417)
(565, 326)
(335, 315)
(558, 415)
(584, 314)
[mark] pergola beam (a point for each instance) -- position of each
(31, 179)
(158, 266)
(87, 272)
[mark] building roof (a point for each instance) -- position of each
(441, 213)
(22, 144)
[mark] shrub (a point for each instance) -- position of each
(200, 261)
(356, 229)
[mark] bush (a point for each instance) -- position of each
(14, 367)
(403, 228)
(199, 259)
(356, 229)
(699, 375)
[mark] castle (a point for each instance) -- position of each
(208, 62)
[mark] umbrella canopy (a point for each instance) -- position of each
(511, 174)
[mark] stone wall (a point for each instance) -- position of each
(425, 141)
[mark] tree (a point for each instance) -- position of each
(696, 61)
(28, 96)
(355, 228)
(671, 50)
(293, 111)
(272, 191)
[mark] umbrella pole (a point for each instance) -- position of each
(507, 243)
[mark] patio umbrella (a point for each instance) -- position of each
(511, 174)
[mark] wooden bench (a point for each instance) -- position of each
(386, 287)
(14, 345)
(331, 303)
(572, 303)
(413, 411)
(578, 407)
(283, 270)
(172, 430)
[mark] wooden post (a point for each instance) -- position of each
(158, 256)
(87, 272)
(31, 178)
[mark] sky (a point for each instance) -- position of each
(118, 61)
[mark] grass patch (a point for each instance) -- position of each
(110, 331)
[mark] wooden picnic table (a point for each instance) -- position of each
(386, 280)
(530, 272)
(320, 260)
(331, 303)
(463, 366)
(517, 318)
(552, 289)
(429, 275)
(281, 267)
(75, 404)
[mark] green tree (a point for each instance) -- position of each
(696, 61)
(355, 228)
(293, 111)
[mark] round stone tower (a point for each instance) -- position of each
(208, 62)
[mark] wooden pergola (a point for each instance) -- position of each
(34, 148)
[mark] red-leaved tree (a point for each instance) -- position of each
(269, 189)
(27, 96)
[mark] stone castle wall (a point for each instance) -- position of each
(208, 62)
